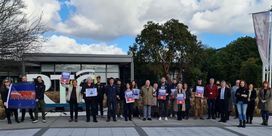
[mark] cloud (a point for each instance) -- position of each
(106, 20)
(64, 44)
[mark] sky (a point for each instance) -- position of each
(110, 26)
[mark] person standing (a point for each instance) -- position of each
(242, 100)
(147, 92)
(128, 106)
(30, 111)
(101, 91)
(112, 94)
(187, 100)
(4, 96)
(211, 93)
(251, 103)
(73, 97)
(136, 106)
(40, 90)
(163, 100)
(224, 94)
(173, 88)
(265, 95)
(233, 97)
(120, 106)
(198, 100)
(154, 107)
(90, 96)
(180, 107)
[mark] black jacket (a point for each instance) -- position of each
(227, 94)
(101, 90)
(253, 95)
(40, 89)
(241, 91)
(167, 88)
(4, 94)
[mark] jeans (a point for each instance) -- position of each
(211, 107)
(242, 108)
(163, 108)
(39, 105)
(147, 111)
(265, 115)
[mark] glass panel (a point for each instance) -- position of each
(112, 68)
(114, 75)
(96, 68)
(47, 68)
(67, 67)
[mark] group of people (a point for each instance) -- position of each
(161, 100)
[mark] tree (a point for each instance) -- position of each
(18, 34)
(167, 46)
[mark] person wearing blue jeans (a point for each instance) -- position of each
(265, 95)
(242, 100)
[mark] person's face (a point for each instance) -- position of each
(242, 84)
(127, 86)
(133, 83)
(147, 83)
(265, 85)
(179, 86)
(39, 79)
(223, 84)
(211, 81)
(174, 81)
(7, 83)
(119, 82)
(237, 82)
(163, 80)
(74, 83)
(90, 81)
(24, 79)
(185, 86)
(199, 82)
(250, 86)
(111, 81)
(155, 85)
(98, 80)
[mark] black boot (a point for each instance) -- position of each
(240, 123)
(244, 124)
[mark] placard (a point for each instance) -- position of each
(199, 91)
(180, 98)
(129, 97)
(91, 92)
(162, 94)
(173, 93)
(136, 93)
(65, 77)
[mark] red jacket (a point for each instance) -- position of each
(211, 92)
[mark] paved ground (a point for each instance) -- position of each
(59, 126)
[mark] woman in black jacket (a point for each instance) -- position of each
(39, 89)
(251, 103)
(4, 95)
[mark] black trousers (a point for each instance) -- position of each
(30, 111)
(73, 108)
(100, 103)
(223, 109)
(236, 111)
(8, 113)
(211, 107)
(163, 108)
(93, 105)
(111, 109)
(128, 107)
(180, 113)
(250, 110)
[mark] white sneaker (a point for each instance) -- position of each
(121, 116)
(35, 121)
(159, 118)
(165, 118)
(44, 121)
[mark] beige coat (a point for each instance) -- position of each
(147, 95)
(69, 92)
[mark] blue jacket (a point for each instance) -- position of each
(111, 92)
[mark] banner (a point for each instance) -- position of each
(136, 93)
(261, 28)
(129, 97)
(22, 96)
(65, 77)
(91, 92)
(180, 98)
(162, 94)
(199, 91)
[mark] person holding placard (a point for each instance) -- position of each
(198, 99)
(179, 106)
(4, 91)
(173, 88)
(112, 95)
(187, 100)
(242, 101)
(89, 92)
(73, 97)
(136, 93)
(147, 95)
(163, 93)
(211, 92)
(128, 102)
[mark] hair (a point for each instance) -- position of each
(130, 85)
(3, 82)
(135, 84)
(244, 82)
(266, 82)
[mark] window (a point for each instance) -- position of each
(67, 67)
(114, 75)
(112, 68)
(96, 68)
(47, 68)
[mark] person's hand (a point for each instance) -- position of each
(118, 97)
(5, 104)
(166, 94)
(263, 101)
(37, 100)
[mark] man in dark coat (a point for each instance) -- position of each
(112, 94)
(224, 95)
